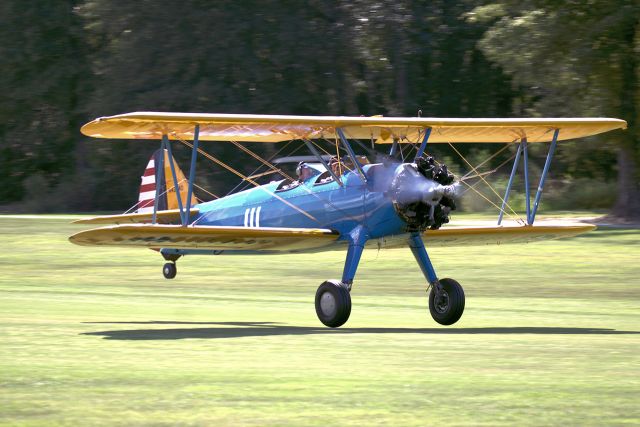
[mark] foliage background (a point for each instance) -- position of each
(64, 63)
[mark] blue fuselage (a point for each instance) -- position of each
(313, 205)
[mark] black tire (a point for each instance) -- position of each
(450, 306)
(169, 270)
(333, 303)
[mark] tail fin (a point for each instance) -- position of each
(166, 193)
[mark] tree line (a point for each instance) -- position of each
(64, 63)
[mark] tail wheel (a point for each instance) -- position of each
(333, 303)
(447, 304)
(169, 270)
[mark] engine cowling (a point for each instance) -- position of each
(423, 194)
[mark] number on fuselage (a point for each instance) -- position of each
(252, 217)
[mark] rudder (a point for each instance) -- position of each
(166, 193)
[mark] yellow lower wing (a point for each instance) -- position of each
(458, 236)
(480, 236)
(206, 237)
(300, 239)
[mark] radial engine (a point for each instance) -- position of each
(423, 193)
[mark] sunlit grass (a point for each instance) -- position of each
(96, 336)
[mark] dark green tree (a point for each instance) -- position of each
(67, 63)
(43, 75)
(576, 59)
(318, 57)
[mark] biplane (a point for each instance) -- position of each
(336, 200)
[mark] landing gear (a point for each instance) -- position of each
(169, 270)
(446, 301)
(333, 303)
(333, 300)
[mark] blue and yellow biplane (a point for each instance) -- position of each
(338, 200)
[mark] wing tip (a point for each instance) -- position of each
(76, 240)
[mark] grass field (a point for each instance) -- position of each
(96, 336)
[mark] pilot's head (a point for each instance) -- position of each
(336, 166)
(304, 171)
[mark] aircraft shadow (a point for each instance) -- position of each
(260, 329)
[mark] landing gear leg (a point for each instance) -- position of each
(446, 299)
(169, 270)
(333, 300)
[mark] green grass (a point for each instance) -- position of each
(96, 336)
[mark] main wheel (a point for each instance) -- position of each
(333, 303)
(169, 270)
(446, 307)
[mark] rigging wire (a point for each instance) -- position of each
(206, 191)
(413, 146)
(242, 185)
(266, 162)
(488, 159)
(260, 159)
(335, 136)
(485, 181)
(487, 173)
(517, 218)
(246, 178)
(135, 205)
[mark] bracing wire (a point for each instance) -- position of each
(206, 191)
(241, 185)
(136, 204)
(488, 159)
(267, 163)
(485, 181)
(261, 160)
(246, 178)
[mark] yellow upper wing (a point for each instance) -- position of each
(276, 128)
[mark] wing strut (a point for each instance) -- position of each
(172, 165)
(543, 178)
(527, 188)
(323, 161)
(347, 147)
(184, 210)
(423, 146)
(394, 147)
(523, 149)
(159, 181)
(508, 191)
(192, 175)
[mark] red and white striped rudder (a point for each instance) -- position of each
(149, 188)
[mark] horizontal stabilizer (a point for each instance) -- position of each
(206, 237)
(162, 217)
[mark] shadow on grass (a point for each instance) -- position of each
(260, 329)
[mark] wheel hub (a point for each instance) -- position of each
(328, 304)
(442, 301)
